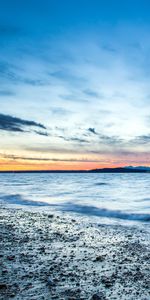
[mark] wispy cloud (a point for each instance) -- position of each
(92, 130)
(13, 124)
(142, 140)
(74, 139)
(92, 93)
(42, 133)
(6, 93)
(29, 158)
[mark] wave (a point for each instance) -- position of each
(101, 183)
(103, 212)
(19, 200)
(77, 208)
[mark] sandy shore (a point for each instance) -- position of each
(48, 256)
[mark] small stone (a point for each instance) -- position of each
(11, 257)
(3, 286)
(50, 216)
(42, 249)
(12, 295)
(4, 271)
(50, 282)
(98, 296)
(100, 258)
(108, 282)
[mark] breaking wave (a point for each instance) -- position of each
(77, 208)
(19, 200)
(103, 212)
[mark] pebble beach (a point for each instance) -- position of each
(59, 256)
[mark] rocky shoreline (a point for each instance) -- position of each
(57, 256)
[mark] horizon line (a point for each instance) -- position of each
(130, 169)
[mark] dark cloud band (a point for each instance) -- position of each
(13, 124)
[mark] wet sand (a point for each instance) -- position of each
(58, 256)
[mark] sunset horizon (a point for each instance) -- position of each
(73, 167)
(74, 90)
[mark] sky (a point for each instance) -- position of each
(74, 84)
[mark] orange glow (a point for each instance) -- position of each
(13, 165)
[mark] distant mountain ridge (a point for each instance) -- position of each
(138, 167)
(126, 169)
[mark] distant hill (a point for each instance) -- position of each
(128, 169)
(138, 168)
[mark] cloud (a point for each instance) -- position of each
(110, 140)
(73, 139)
(106, 139)
(41, 133)
(80, 140)
(49, 148)
(92, 130)
(60, 111)
(13, 124)
(9, 73)
(29, 158)
(6, 93)
(74, 97)
(67, 75)
(16, 74)
(141, 139)
(92, 93)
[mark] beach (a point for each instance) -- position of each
(50, 255)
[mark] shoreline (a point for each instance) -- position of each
(61, 256)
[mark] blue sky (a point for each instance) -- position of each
(74, 83)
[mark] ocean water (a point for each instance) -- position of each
(109, 197)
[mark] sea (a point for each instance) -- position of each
(108, 198)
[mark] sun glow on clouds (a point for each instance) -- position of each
(76, 99)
